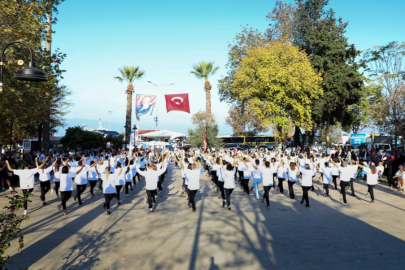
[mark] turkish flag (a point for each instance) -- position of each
(177, 102)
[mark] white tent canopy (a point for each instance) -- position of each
(163, 134)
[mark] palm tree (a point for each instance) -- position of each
(129, 74)
(203, 70)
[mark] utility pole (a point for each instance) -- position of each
(46, 130)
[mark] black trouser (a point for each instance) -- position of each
(343, 185)
(228, 192)
(221, 188)
(26, 193)
(246, 185)
(352, 186)
(371, 191)
(65, 196)
(326, 187)
(127, 184)
(240, 176)
(151, 196)
(57, 185)
(134, 179)
(305, 195)
(79, 190)
(280, 184)
(45, 186)
(192, 196)
(215, 176)
(100, 184)
(118, 188)
(334, 180)
(291, 189)
(108, 198)
(266, 194)
(93, 183)
(389, 175)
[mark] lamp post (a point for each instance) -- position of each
(29, 73)
(135, 129)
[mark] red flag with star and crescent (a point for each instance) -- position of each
(177, 102)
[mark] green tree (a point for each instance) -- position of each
(386, 65)
(244, 122)
(199, 119)
(115, 141)
(26, 21)
(204, 70)
(280, 85)
(129, 74)
(76, 137)
(322, 37)
(196, 136)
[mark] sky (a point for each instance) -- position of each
(165, 38)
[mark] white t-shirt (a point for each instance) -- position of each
(120, 177)
(66, 183)
(281, 172)
(229, 177)
(108, 183)
(56, 174)
(151, 178)
(193, 178)
(380, 170)
(327, 175)
(267, 176)
(92, 176)
(345, 173)
(81, 177)
(247, 171)
(44, 174)
(372, 179)
(292, 174)
(27, 179)
(128, 177)
(306, 177)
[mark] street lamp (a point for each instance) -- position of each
(135, 129)
(29, 73)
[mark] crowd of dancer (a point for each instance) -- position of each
(115, 170)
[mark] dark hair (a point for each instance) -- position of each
(65, 170)
(119, 164)
(80, 163)
(25, 164)
(189, 166)
(224, 162)
(229, 167)
(267, 164)
(257, 162)
(326, 164)
(307, 167)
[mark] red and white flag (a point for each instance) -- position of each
(205, 141)
(177, 102)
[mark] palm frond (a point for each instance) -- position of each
(130, 73)
(204, 69)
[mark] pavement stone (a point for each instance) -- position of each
(327, 235)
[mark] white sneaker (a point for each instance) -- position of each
(10, 188)
(25, 212)
(344, 203)
(52, 190)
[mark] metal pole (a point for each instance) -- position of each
(11, 134)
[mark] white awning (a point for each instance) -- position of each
(163, 134)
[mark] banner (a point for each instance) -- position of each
(145, 104)
(177, 102)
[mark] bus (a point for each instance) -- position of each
(249, 140)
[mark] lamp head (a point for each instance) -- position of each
(30, 74)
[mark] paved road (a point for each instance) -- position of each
(327, 235)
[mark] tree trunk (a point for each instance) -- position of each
(207, 88)
(327, 131)
(128, 117)
(39, 136)
(311, 138)
(47, 129)
(297, 135)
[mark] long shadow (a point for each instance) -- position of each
(320, 237)
(194, 251)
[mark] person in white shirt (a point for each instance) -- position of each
(26, 181)
(267, 176)
(335, 172)
(108, 185)
(292, 173)
(400, 175)
(326, 177)
(372, 180)
(247, 174)
(221, 181)
(229, 181)
(345, 175)
(380, 169)
(80, 179)
(307, 175)
(57, 170)
(151, 174)
(66, 187)
(257, 177)
(44, 178)
(353, 166)
(119, 179)
(92, 176)
(193, 176)
(281, 175)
